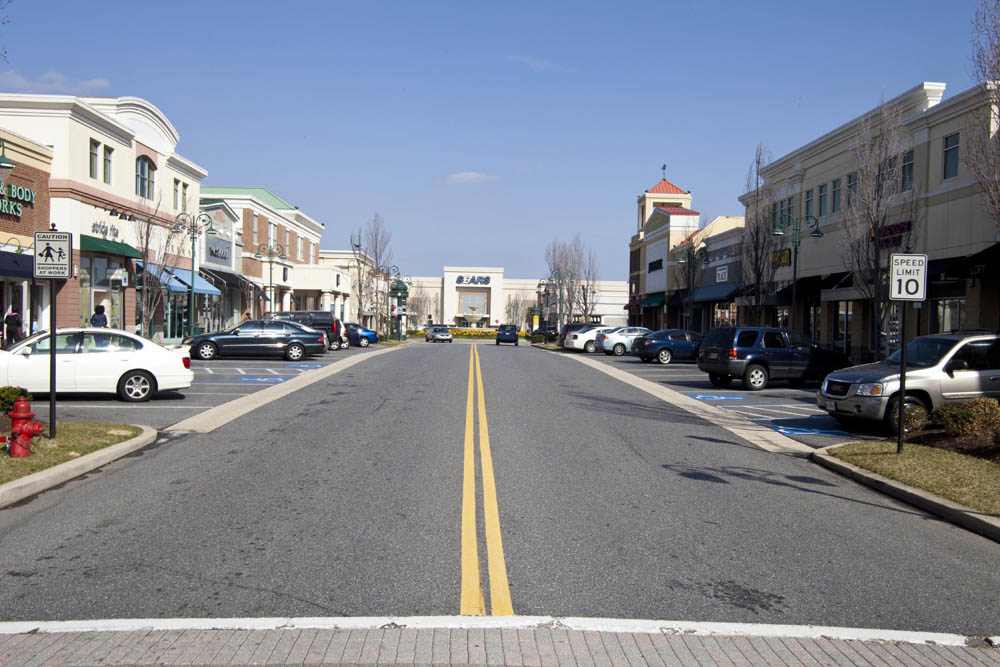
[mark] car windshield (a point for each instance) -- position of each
(923, 352)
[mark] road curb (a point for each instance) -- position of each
(25, 487)
(965, 517)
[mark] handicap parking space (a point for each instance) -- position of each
(790, 411)
(215, 382)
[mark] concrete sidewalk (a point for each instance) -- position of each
(480, 641)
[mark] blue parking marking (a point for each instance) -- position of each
(718, 397)
(304, 365)
(802, 430)
(262, 378)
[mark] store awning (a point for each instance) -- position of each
(632, 303)
(723, 292)
(652, 301)
(17, 266)
(97, 244)
(201, 286)
(164, 276)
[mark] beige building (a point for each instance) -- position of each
(948, 224)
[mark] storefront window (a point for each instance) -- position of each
(950, 314)
(781, 317)
(814, 322)
(842, 335)
(85, 285)
(724, 315)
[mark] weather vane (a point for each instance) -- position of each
(663, 168)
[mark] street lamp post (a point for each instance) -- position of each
(193, 227)
(388, 272)
(781, 223)
(270, 251)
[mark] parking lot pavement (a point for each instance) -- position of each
(215, 382)
(789, 411)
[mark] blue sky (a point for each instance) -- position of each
(481, 131)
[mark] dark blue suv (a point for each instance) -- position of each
(757, 355)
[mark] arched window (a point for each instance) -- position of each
(145, 174)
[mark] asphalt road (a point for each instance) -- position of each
(347, 498)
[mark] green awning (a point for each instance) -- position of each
(96, 244)
(652, 301)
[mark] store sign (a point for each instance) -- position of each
(781, 257)
(218, 251)
(472, 280)
(13, 198)
(722, 274)
(104, 230)
(892, 235)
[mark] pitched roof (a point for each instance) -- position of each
(262, 194)
(665, 187)
(676, 210)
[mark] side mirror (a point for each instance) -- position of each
(957, 365)
(25, 351)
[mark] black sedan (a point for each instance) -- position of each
(256, 338)
(666, 345)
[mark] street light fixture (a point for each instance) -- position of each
(6, 166)
(270, 251)
(193, 227)
(783, 222)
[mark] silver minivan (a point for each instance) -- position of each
(940, 369)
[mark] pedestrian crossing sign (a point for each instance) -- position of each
(53, 255)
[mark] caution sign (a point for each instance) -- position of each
(53, 255)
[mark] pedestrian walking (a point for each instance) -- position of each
(12, 326)
(99, 319)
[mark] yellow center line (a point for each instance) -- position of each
(500, 604)
(472, 603)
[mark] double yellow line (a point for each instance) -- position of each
(472, 603)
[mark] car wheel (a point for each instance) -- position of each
(294, 352)
(720, 381)
(363, 342)
(344, 344)
(207, 351)
(588, 347)
(515, 343)
(755, 377)
(916, 411)
(664, 356)
(618, 350)
(136, 386)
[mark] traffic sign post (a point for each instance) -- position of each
(907, 282)
(53, 261)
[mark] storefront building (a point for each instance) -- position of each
(118, 186)
(222, 266)
(938, 212)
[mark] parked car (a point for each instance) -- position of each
(323, 320)
(665, 345)
(507, 333)
(758, 355)
(940, 369)
(583, 339)
(619, 341)
(97, 360)
(359, 335)
(601, 336)
(438, 335)
(260, 338)
(566, 328)
(550, 333)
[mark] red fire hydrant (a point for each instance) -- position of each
(22, 428)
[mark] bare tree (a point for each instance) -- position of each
(371, 245)
(560, 276)
(981, 146)
(418, 306)
(759, 243)
(883, 208)
(587, 287)
(159, 243)
(516, 310)
(687, 273)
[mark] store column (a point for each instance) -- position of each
(326, 300)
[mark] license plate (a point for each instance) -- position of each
(713, 355)
(831, 405)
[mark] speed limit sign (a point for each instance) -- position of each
(908, 277)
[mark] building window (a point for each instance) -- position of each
(951, 156)
(809, 202)
(184, 197)
(95, 147)
(821, 211)
(299, 249)
(655, 265)
(906, 174)
(255, 241)
(950, 314)
(835, 201)
(852, 187)
(272, 234)
(107, 164)
(177, 194)
(145, 178)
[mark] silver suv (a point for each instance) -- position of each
(940, 368)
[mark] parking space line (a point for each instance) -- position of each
(782, 410)
(209, 370)
(216, 393)
(133, 406)
(271, 370)
(242, 371)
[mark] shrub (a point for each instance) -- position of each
(538, 338)
(978, 418)
(10, 394)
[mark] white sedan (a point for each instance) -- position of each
(97, 360)
(583, 339)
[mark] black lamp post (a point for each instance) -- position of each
(192, 226)
(781, 223)
(270, 251)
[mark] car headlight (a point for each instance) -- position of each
(870, 389)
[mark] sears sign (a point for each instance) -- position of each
(472, 280)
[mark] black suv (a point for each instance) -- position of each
(319, 319)
(757, 355)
